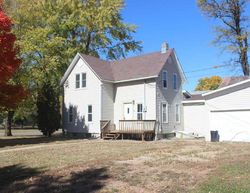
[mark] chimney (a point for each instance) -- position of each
(164, 47)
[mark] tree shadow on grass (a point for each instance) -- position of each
(8, 142)
(84, 181)
(14, 173)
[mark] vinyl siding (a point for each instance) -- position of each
(80, 99)
(133, 92)
(107, 102)
(196, 119)
(171, 96)
(239, 99)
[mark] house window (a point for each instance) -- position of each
(164, 79)
(83, 80)
(70, 114)
(77, 80)
(90, 116)
(164, 112)
(139, 112)
(175, 81)
(177, 113)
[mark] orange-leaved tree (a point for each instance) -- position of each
(10, 94)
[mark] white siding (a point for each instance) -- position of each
(133, 92)
(235, 100)
(196, 120)
(80, 99)
(107, 102)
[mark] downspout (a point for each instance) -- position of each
(144, 102)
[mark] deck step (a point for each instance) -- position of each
(111, 136)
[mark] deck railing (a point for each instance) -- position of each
(137, 126)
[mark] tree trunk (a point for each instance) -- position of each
(9, 123)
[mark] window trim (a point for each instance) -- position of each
(178, 112)
(167, 112)
(162, 80)
(90, 113)
(139, 112)
(71, 107)
(79, 80)
(175, 81)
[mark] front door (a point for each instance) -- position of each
(128, 111)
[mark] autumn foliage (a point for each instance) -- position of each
(10, 94)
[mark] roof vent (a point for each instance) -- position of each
(164, 47)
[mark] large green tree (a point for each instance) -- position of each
(50, 33)
(232, 29)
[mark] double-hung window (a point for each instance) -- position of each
(175, 81)
(77, 80)
(139, 112)
(70, 114)
(83, 80)
(164, 79)
(164, 113)
(90, 113)
(177, 113)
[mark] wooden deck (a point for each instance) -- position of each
(142, 128)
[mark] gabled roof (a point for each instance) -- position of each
(134, 68)
(232, 80)
(237, 84)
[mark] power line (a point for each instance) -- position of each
(209, 68)
(208, 74)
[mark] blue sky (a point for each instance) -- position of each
(182, 25)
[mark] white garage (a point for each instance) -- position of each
(227, 110)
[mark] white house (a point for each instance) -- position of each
(143, 88)
(226, 110)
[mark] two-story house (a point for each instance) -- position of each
(146, 87)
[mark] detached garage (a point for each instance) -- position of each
(227, 110)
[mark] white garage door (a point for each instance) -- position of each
(232, 125)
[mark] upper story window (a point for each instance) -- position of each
(70, 114)
(90, 113)
(177, 113)
(164, 79)
(164, 112)
(175, 81)
(139, 112)
(83, 80)
(77, 80)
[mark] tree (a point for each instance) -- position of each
(207, 83)
(232, 34)
(51, 32)
(10, 93)
(48, 110)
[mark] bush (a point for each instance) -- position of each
(48, 109)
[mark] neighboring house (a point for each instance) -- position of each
(147, 87)
(226, 110)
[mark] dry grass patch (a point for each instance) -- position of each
(124, 166)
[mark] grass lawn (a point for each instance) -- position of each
(74, 165)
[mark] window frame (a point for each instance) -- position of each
(85, 80)
(79, 81)
(177, 113)
(175, 81)
(163, 79)
(90, 113)
(139, 113)
(167, 113)
(71, 114)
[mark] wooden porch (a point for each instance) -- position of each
(129, 129)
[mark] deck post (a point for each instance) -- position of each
(142, 136)
(122, 136)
